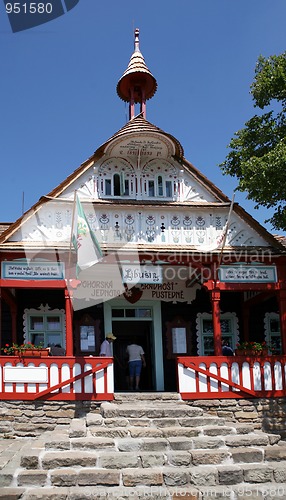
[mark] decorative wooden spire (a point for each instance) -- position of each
(137, 83)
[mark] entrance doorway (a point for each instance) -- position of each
(125, 331)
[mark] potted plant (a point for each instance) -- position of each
(25, 349)
(252, 348)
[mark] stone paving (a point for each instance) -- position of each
(144, 447)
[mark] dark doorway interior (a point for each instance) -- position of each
(125, 331)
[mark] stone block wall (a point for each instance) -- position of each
(30, 418)
(268, 414)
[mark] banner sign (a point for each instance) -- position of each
(26, 375)
(141, 274)
(247, 274)
(102, 283)
(32, 271)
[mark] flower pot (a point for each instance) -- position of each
(44, 353)
(251, 352)
(32, 353)
(241, 352)
(264, 352)
(28, 353)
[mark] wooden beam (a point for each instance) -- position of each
(51, 284)
(242, 287)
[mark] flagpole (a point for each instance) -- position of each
(72, 226)
(225, 235)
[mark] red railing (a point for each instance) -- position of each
(56, 378)
(221, 377)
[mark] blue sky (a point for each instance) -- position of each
(58, 85)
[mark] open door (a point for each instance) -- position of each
(125, 331)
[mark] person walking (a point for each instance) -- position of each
(105, 348)
(136, 359)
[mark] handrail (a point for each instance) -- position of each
(59, 378)
(71, 380)
(217, 377)
(248, 376)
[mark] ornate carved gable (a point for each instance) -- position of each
(139, 190)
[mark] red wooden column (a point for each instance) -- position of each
(215, 299)
(131, 104)
(282, 310)
(69, 323)
(143, 103)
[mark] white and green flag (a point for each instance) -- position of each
(83, 239)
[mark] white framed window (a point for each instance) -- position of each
(158, 187)
(272, 332)
(44, 326)
(116, 185)
(106, 187)
(205, 340)
(151, 188)
(169, 189)
(131, 313)
(160, 179)
(116, 178)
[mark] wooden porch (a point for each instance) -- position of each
(91, 378)
(56, 378)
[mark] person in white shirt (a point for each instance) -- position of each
(136, 359)
(105, 348)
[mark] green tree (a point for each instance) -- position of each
(258, 151)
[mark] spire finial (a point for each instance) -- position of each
(136, 40)
(137, 83)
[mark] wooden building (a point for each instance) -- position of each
(182, 268)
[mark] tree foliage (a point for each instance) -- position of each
(258, 151)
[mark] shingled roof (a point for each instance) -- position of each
(4, 226)
(136, 72)
(139, 125)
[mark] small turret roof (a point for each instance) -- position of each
(137, 73)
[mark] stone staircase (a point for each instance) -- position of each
(147, 445)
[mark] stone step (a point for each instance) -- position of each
(123, 397)
(207, 425)
(276, 453)
(243, 491)
(182, 438)
(94, 419)
(137, 432)
(240, 440)
(191, 421)
(81, 443)
(210, 475)
(215, 430)
(140, 443)
(132, 452)
(149, 410)
(112, 432)
(145, 467)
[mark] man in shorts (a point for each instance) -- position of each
(136, 359)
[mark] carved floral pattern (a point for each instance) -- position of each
(187, 221)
